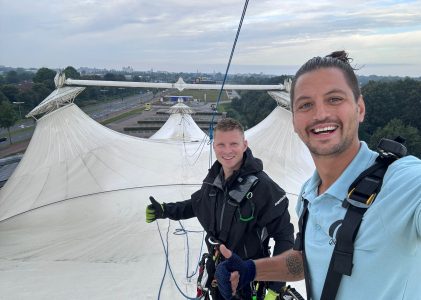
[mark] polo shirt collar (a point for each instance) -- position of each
(364, 159)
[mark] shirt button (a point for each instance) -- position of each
(318, 227)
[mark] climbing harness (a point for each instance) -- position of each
(206, 282)
(361, 195)
(243, 191)
(289, 293)
(202, 289)
(201, 273)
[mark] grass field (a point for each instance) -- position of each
(124, 115)
(211, 95)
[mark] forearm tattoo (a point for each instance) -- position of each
(294, 264)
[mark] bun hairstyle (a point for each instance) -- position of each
(341, 55)
(337, 59)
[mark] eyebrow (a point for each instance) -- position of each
(302, 98)
(334, 91)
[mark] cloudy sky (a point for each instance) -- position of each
(383, 37)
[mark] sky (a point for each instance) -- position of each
(383, 37)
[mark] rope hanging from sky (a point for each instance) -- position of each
(166, 246)
(225, 78)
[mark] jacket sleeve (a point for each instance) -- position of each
(274, 215)
(179, 210)
(282, 232)
(276, 218)
(281, 229)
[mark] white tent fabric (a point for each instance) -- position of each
(71, 155)
(284, 155)
(72, 215)
(180, 126)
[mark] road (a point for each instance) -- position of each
(104, 110)
(24, 129)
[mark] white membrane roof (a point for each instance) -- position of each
(72, 216)
(180, 126)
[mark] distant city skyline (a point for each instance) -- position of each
(383, 37)
(378, 70)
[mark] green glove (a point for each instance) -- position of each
(271, 295)
(154, 211)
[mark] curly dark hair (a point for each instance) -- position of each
(336, 59)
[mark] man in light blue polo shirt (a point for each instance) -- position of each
(327, 108)
(387, 260)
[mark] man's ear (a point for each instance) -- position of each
(246, 144)
(361, 109)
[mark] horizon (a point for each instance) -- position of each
(275, 38)
(382, 70)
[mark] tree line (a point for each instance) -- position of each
(22, 91)
(393, 105)
(393, 108)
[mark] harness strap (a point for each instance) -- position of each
(361, 195)
(212, 217)
(235, 198)
(341, 260)
(227, 216)
(299, 245)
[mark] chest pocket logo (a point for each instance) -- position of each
(333, 231)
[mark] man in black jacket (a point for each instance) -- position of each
(238, 205)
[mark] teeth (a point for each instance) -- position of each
(323, 129)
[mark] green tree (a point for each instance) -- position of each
(10, 91)
(8, 117)
(410, 102)
(41, 90)
(30, 99)
(71, 73)
(46, 77)
(110, 77)
(252, 108)
(392, 99)
(24, 75)
(395, 128)
(12, 77)
(3, 97)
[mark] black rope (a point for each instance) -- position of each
(225, 78)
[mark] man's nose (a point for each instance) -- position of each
(321, 112)
(228, 149)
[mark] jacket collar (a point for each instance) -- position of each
(250, 165)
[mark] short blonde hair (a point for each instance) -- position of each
(228, 124)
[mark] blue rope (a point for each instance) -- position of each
(166, 260)
(166, 250)
(167, 265)
(182, 231)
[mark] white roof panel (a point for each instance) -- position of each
(72, 215)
